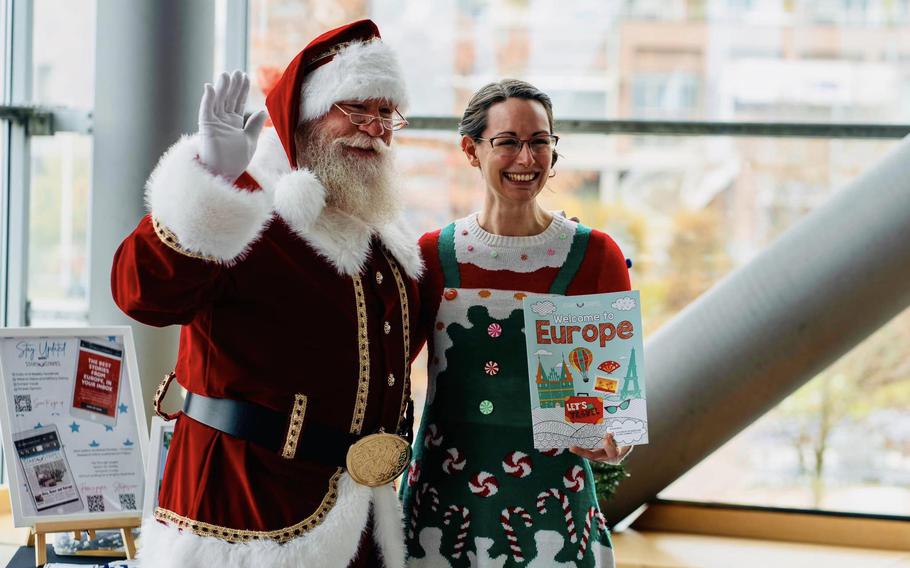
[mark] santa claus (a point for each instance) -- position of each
(284, 259)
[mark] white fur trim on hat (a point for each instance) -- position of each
(332, 543)
(361, 71)
(206, 213)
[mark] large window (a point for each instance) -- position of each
(62, 75)
(48, 71)
(686, 209)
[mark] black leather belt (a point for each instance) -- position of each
(268, 428)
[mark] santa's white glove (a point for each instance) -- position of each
(227, 145)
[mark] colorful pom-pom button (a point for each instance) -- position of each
(486, 407)
(464, 232)
(491, 368)
(440, 326)
(470, 248)
(524, 257)
(562, 237)
(519, 296)
(494, 254)
(494, 330)
(484, 293)
(550, 252)
(450, 294)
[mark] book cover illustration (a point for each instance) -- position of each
(586, 369)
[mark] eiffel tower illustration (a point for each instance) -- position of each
(630, 387)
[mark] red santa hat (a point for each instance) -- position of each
(347, 63)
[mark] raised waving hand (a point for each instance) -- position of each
(227, 144)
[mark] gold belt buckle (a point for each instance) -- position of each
(377, 459)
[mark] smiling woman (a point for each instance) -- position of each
(473, 452)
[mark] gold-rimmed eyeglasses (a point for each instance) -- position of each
(505, 145)
(387, 122)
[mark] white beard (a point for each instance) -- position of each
(363, 187)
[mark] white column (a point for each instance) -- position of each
(152, 58)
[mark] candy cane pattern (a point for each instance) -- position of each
(564, 501)
(463, 529)
(413, 474)
(434, 495)
(432, 438)
(552, 451)
(454, 461)
(583, 545)
(504, 519)
(601, 522)
(415, 511)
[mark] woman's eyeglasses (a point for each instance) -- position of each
(507, 146)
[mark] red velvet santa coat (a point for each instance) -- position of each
(278, 297)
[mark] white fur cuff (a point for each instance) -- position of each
(208, 215)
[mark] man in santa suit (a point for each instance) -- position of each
(286, 263)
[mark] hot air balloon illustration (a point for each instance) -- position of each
(581, 358)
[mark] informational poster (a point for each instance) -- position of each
(159, 444)
(73, 424)
(586, 369)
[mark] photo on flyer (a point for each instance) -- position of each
(43, 463)
(72, 419)
(97, 382)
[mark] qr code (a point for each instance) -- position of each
(95, 503)
(23, 402)
(128, 501)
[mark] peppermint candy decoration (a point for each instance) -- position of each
(517, 464)
(484, 484)
(432, 438)
(453, 462)
(552, 451)
(413, 473)
(494, 330)
(491, 368)
(574, 479)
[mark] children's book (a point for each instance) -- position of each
(586, 369)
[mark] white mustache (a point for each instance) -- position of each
(363, 142)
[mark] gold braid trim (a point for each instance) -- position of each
(290, 442)
(406, 332)
(363, 346)
(170, 239)
(280, 536)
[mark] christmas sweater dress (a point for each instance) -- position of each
(477, 493)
